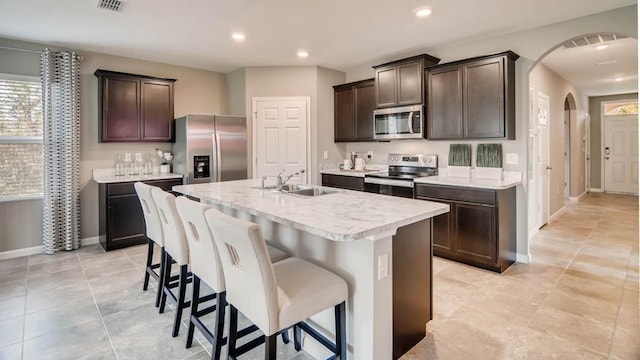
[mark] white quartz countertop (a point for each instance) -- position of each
(354, 173)
(469, 182)
(106, 176)
(341, 216)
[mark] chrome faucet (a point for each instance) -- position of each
(282, 181)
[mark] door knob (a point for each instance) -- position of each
(606, 158)
(549, 168)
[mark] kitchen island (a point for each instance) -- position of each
(380, 245)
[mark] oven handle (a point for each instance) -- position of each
(391, 182)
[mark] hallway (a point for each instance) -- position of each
(577, 299)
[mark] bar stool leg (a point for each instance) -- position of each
(297, 337)
(233, 332)
(180, 304)
(194, 309)
(270, 343)
(221, 304)
(149, 262)
(160, 277)
(167, 280)
(285, 336)
(341, 331)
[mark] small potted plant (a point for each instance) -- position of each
(459, 164)
(489, 161)
(166, 158)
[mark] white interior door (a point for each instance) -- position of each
(543, 159)
(621, 154)
(587, 152)
(567, 154)
(280, 136)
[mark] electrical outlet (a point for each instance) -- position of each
(325, 155)
(383, 266)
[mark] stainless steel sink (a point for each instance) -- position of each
(299, 190)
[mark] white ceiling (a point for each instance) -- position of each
(338, 34)
(579, 67)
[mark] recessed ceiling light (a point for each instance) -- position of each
(303, 54)
(422, 12)
(618, 78)
(238, 36)
(601, 47)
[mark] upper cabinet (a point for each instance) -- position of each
(353, 111)
(400, 83)
(134, 108)
(472, 99)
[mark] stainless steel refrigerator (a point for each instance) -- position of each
(210, 148)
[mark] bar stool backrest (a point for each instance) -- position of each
(203, 254)
(248, 274)
(151, 217)
(175, 240)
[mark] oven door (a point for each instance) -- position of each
(398, 123)
(393, 187)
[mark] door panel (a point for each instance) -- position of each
(621, 154)
(121, 109)
(543, 159)
(157, 111)
(386, 91)
(410, 84)
(475, 235)
(281, 137)
(484, 99)
(365, 104)
(444, 119)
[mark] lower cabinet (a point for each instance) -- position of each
(343, 182)
(480, 227)
(121, 222)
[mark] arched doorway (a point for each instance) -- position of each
(569, 118)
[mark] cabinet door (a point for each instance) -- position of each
(157, 110)
(444, 105)
(483, 85)
(120, 109)
(475, 239)
(125, 220)
(410, 83)
(386, 91)
(343, 114)
(364, 105)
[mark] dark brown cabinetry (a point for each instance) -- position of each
(353, 111)
(343, 182)
(121, 222)
(401, 82)
(480, 228)
(472, 99)
(134, 107)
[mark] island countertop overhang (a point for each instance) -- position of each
(342, 216)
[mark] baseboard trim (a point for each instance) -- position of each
(5, 255)
(90, 241)
(575, 199)
(556, 214)
(20, 252)
(595, 190)
(523, 258)
(533, 232)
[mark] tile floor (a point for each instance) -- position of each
(577, 299)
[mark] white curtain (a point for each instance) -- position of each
(60, 76)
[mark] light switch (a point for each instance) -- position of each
(325, 155)
(512, 159)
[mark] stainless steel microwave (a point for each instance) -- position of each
(404, 122)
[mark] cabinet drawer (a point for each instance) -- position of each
(120, 189)
(345, 182)
(457, 194)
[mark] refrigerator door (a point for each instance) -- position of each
(230, 148)
(193, 150)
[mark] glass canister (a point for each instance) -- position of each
(147, 167)
(134, 168)
(119, 166)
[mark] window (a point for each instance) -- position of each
(621, 108)
(21, 147)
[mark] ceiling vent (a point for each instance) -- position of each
(591, 40)
(113, 5)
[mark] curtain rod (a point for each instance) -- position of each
(18, 49)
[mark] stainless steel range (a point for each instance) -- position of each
(403, 168)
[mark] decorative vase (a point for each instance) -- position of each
(458, 171)
(165, 168)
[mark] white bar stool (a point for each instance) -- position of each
(274, 296)
(206, 267)
(176, 248)
(153, 233)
